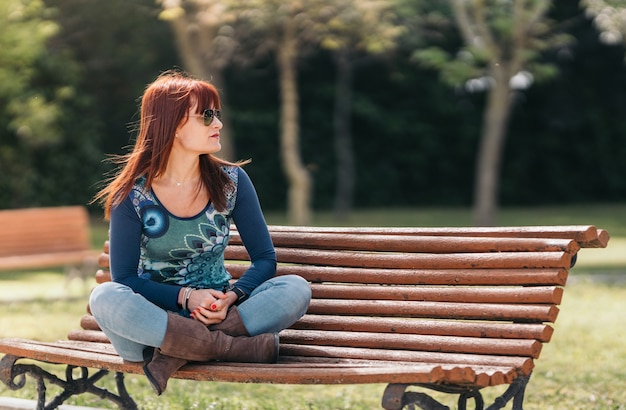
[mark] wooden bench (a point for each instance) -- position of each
(450, 309)
(36, 238)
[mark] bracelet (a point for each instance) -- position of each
(186, 297)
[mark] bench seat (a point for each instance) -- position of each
(289, 370)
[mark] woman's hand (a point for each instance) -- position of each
(210, 306)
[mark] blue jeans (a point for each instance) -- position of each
(132, 323)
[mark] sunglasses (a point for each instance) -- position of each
(209, 115)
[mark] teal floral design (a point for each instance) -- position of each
(202, 260)
(199, 262)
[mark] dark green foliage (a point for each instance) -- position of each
(415, 138)
(566, 141)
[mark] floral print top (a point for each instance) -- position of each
(156, 253)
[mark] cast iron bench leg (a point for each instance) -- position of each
(13, 375)
(396, 397)
(515, 391)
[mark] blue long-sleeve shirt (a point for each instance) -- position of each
(156, 253)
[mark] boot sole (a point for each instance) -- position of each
(148, 353)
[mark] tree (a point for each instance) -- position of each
(289, 30)
(609, 17)
(503, 41)
(41, 163)
(358, 28)
(25, 27)
(206, 43)
(286, 28)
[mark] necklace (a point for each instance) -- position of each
(181, 184)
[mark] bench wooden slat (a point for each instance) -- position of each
(439, 310)
(306, 374)
(428, 343)
(461, 277)
(539, 332)
(103, 275)
(533, 295)
(443, 276)
(384, 341)
(422, 244)
(523, 365)
(508, 260)
(587, 236)
(334, 373)
(485, 374)
(88, 322)
(20, 243)
(46, 260)
(88, 335)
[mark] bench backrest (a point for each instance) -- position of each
(428, 295)
(411, 297)
(43, 230)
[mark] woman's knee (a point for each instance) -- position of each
(299, 286)
(105, 296)
(298, 292)
(98, 296)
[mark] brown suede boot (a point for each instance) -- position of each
(159, 368)
(189, 340)
(232, 324)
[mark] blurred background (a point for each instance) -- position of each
(341, 104)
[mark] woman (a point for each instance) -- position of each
(170, 207)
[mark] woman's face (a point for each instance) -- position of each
(196, 137)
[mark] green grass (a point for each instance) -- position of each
(581, 368)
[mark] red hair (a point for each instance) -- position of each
(164, 105)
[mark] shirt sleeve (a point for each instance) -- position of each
(124, 251)
(250, 222)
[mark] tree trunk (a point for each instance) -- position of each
(299, 180)
(344, 154)
(488, 164)
(190, 50)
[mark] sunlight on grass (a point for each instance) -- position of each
(45, 320)
(614, 255)
(583, 366)
(42, 305)
(42, 285)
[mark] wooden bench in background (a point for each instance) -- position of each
(456, 310)
(36, 238)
